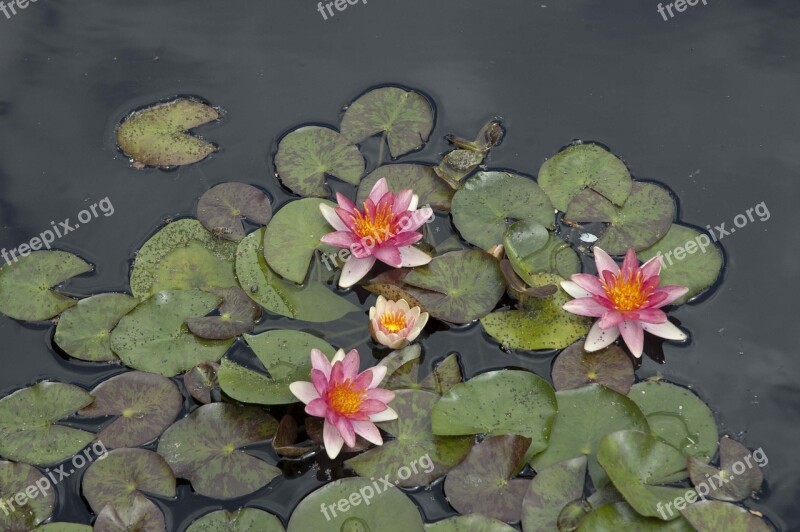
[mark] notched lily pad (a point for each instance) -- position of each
(202, 383)
(159, 135)
(84, 331)
(242, 520)
(16, 478)
(237, 315)
(574, 367)
(142, 514)
(222, 208)
(552, 489)
(714, 515)
(738, 477)
(422, 179)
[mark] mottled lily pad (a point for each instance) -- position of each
(242, 520)
(740, 471)
(222, 208)
(146, 404)
(678, 417)
(714, 515)
(469, 523)
(26, 285)
(202, 383)
(415, 457)
(404, 117)
(498, 402)
(16, 478)
(620, 516)
(422, 179)
(690, 260)
(532, 252)
(552, 489)
(491, 201)
(237, 315)
(642, 221)
(585, 416)
(142, 514)
(84, 331)
(574, 367)
(122, 474)
(28, 429)
(203, 448)
(154, 337)
(307, 154)
(484, 482)
(181, 256)
(582, 166)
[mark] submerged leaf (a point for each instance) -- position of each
(222, 208)
(84, 331)
(16, 478)
(237, 315)
(242, 520)
(422, 179)
(575, 367)
(532, 252)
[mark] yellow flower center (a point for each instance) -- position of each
(627, 293)
(344, 399)
(380, 228)
(394, 321)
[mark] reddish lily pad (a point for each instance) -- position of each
(222, 208)
(469, 523)
(574, 367)
(237, 315)
(285, 440)
(738, 477)
(552, 489)
(202, 383)
(714, 515)
(203, 448)
(484, 482)
(84, 331)
(142, 514)
(146, 404)
(422, 179)
(242, 520)
(16, 478)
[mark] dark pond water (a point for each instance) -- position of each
(705, 102)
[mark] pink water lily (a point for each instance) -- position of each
(384, 229)
(350, 402)
(627, 301)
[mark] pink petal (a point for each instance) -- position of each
(378, 190)
(590, 283)
(412, 257)
(599, 338)
(653, 267)
(368, 431)
(378, 373)
(604, 262)
(611, 318)
(652, 315)
(351, 365)
(418, 218)
(387, 415)
(337, 373)
(630, 264)
(363, 380)
(332, 439)
(403, 239)
(633, 336)
(318, 407)
(380, 394)
(673, 292)
(388, 255)
(320, 361)
(346, 431)
(329, 213)
(585, 306)
(304, 391)
(345, 203)
(402, 200)
(372, 406)
(320, 381)
(665, 330)
(354, 270)
(340, 239)
(574, 290)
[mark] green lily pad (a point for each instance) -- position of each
(491, 201)
(637, 463)
(28, 432)
(574, 367)
(142, 514)
(582, 166)
(237, 315)
(697, 269)
(714, 515)
(459, 287)
(26, 285)
(154, 338)
(285, 355)
(422, 179)
(203, 448)
(585, 416)
(307, 154)
(202, 382)
(84, 331)
(571, 515)
(415, 457)
(312, 302)
(678, 417)
(620, 516)
(24, 514)
(552, 489)
(532, 252)
(146, 404)
(539, 323)
(292, 237)
(122, 474)
(404, 117)
(642, 221)
(469, 523)
(64, 527)
(484, 482)
(498, 402)
(158, 135)
(741, 473)
(242, 520)
(524, 238)
(345, 503)
(181, 256)
(222, 208)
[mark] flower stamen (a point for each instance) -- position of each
(344, 399)
(394, 321)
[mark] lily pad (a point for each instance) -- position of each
(285, 440)
(403, 371)
(422, 179)
(678, 417)
(26, 285)
(346, 503)
(285, 355)
(404, 117)
(222, 208)
(307, 154)
(122, 474)
(415, 457)
(698, 268)
(552, 489)
(620, 516)
(459, 287)
(242, 520)
(312, 302)
(15, 478)
(714, 515)
(64, 527)
(292, 237)
(146, 404)
(84, 331)
(154, 338)
(469, 523)
(582, 166)
(574, 367)
(498, 402)
(203, 448)
(158, 135)
(574, 512)
(143, 514)
(28, 429)
(738, 477)
(484, 482)
(529, 256)
(642, 221)
(202, 383)
(585, 416)
(181, 256)
(237, 315)
(491, 201)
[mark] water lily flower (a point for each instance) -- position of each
(350, 402)
(627, 301)
(394, 323)
(384, 229)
